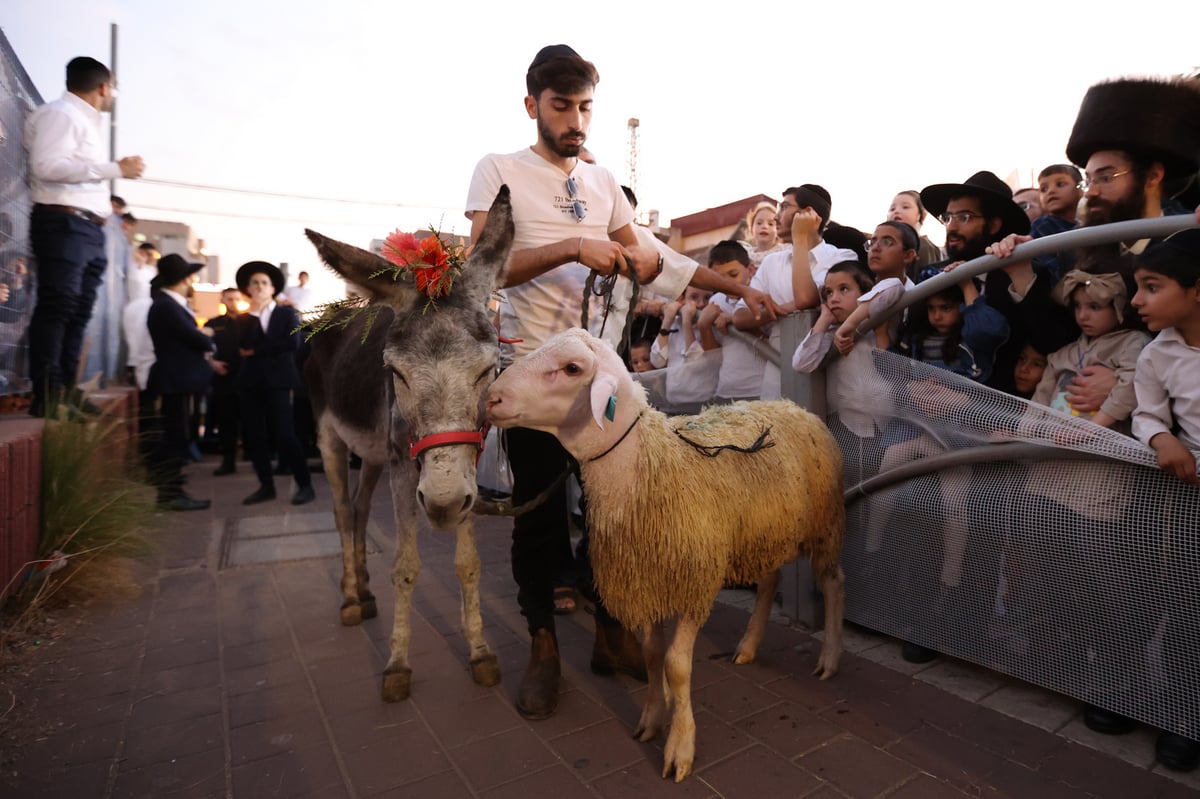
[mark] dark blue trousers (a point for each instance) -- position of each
(70, 267)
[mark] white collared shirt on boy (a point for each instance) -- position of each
(1168, 393)
(774, 277)
(264, 316)
(741, 372)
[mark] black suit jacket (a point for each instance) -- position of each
(179, 349)
(227, 338)
(273, 364)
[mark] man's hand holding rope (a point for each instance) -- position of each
(605, 257)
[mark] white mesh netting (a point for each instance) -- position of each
(1012, 536)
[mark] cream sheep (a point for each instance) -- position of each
(670, 525)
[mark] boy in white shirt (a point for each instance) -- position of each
(794, 276)
(1167, 419)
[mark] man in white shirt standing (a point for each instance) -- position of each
(68, 171)
(299, 295)
(570, 217)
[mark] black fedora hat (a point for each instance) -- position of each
(993, 192)
(251, 268)
(172, 269)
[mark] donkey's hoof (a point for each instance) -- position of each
(485, 670)
(397, 684)
(368, 608)
(352, 615)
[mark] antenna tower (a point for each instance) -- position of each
(631, 157)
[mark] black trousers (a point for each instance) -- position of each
(223, 414)
(167, 457)
(541, 542)
(269, 410)
(540, 536)
(70, 267)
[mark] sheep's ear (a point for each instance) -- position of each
(604, 390)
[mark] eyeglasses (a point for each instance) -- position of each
(1102, 179)
(883, 241)
(576, 205)
(961, 217)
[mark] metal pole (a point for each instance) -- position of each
(112, 117)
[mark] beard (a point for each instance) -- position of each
(1130, 205)
(967, 249)
(558, 147)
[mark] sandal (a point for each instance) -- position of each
(564, 600)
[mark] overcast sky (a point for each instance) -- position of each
(394, 102)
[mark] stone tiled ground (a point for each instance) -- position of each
(240, 681)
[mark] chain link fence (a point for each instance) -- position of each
(18, 97)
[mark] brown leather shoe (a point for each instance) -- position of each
(617, 649)
(537, 698)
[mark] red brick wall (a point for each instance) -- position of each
(20, 494)
(21, 476)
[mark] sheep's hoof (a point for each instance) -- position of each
(827, 666)
(368, 608)
(651, 723)
(824, 672)
(352, 614)
(397, 683)
(485, 670)
(678, 762)
(647, 732)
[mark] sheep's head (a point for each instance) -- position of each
(565, 388)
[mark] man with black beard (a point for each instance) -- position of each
(1131, 138)
(570, 218)
(977, 214)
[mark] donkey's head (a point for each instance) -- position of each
(441, 358)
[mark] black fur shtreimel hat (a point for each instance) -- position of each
(1154, 119)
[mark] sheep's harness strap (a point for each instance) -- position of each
(713, 450)
(617, 443)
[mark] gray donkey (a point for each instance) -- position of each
(409, 397)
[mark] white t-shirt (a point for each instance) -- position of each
(137, 337)
(300, 297)
(542, 214)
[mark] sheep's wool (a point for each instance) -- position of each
(670, 526)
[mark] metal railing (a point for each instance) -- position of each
(1103, 609)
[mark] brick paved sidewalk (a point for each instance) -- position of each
(232, 676)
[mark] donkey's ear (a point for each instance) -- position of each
(357, 266)
(488, 262)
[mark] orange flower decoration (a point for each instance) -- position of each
(433, 267)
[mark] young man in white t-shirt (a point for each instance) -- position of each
(570, 217)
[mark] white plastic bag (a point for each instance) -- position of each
(494, 474)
